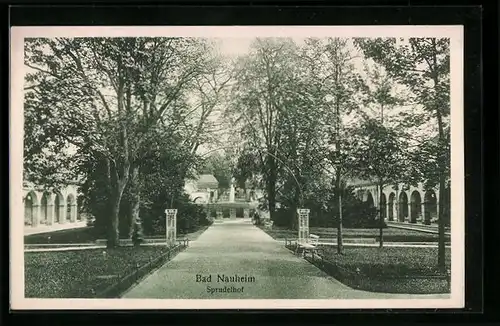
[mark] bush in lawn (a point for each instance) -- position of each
(324, 211)
(189, 216)
(281, 217)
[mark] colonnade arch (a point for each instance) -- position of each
(369, 199)
(430, 204)
(405, 203)
(30, 206)
(403, 207)
(45, 208)
(383, 205)
(416, 206)
(391, 206)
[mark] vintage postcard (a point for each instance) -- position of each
(263, 167)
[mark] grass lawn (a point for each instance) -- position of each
(81, 273)
(388, 261)
(80, 235)
(85, 235)
(389, 234)
(389, 270)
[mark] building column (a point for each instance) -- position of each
(423, 212)
(74, 212)
(437, 210)
(35, 216)
(62, 213)
(50, 214)
(408, 217)
(50, 209)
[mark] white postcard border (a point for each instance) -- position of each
(455, 33)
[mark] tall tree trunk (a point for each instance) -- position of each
(271, 186)
(381, 216)
(135, 196)
(442, 181)
(121, 182)
(441, 164)
(338, 185)
(295, 205)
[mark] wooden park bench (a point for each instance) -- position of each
(310, 245)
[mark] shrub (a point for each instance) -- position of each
(189, 216)
(356, 213)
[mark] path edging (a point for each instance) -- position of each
(125, 283)
(380, 284)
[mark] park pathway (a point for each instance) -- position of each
(238, 247)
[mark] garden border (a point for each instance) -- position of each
(117, 289)
(379, 283)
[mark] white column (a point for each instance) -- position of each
(409, 212)
(36, 212)
(74, 212)
(51, 210)
(171, 226)
(231, 194)
(62, 212)
(437, 210)
(303, 220)
(422, 212)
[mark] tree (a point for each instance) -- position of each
(378, 156)
(110, 94)
(221, 167)
(261, 82)
(423, 65)
(341, 84)
(381, 166)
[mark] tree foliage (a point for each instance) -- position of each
(114, 100)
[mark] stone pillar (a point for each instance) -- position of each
(62, 213)
(386, 217)
(437, 210)
(232, 212)
(408, 218)
(303, 221)
(246, 213)
(231, 193)
(171, 226)
(50, 214)
(74, 213)
(35, 216)
(50, 209)
(422, 212)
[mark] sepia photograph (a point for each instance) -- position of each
(237, 167)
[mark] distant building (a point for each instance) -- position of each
(400, 202)
(203, 189)
(50, 210)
